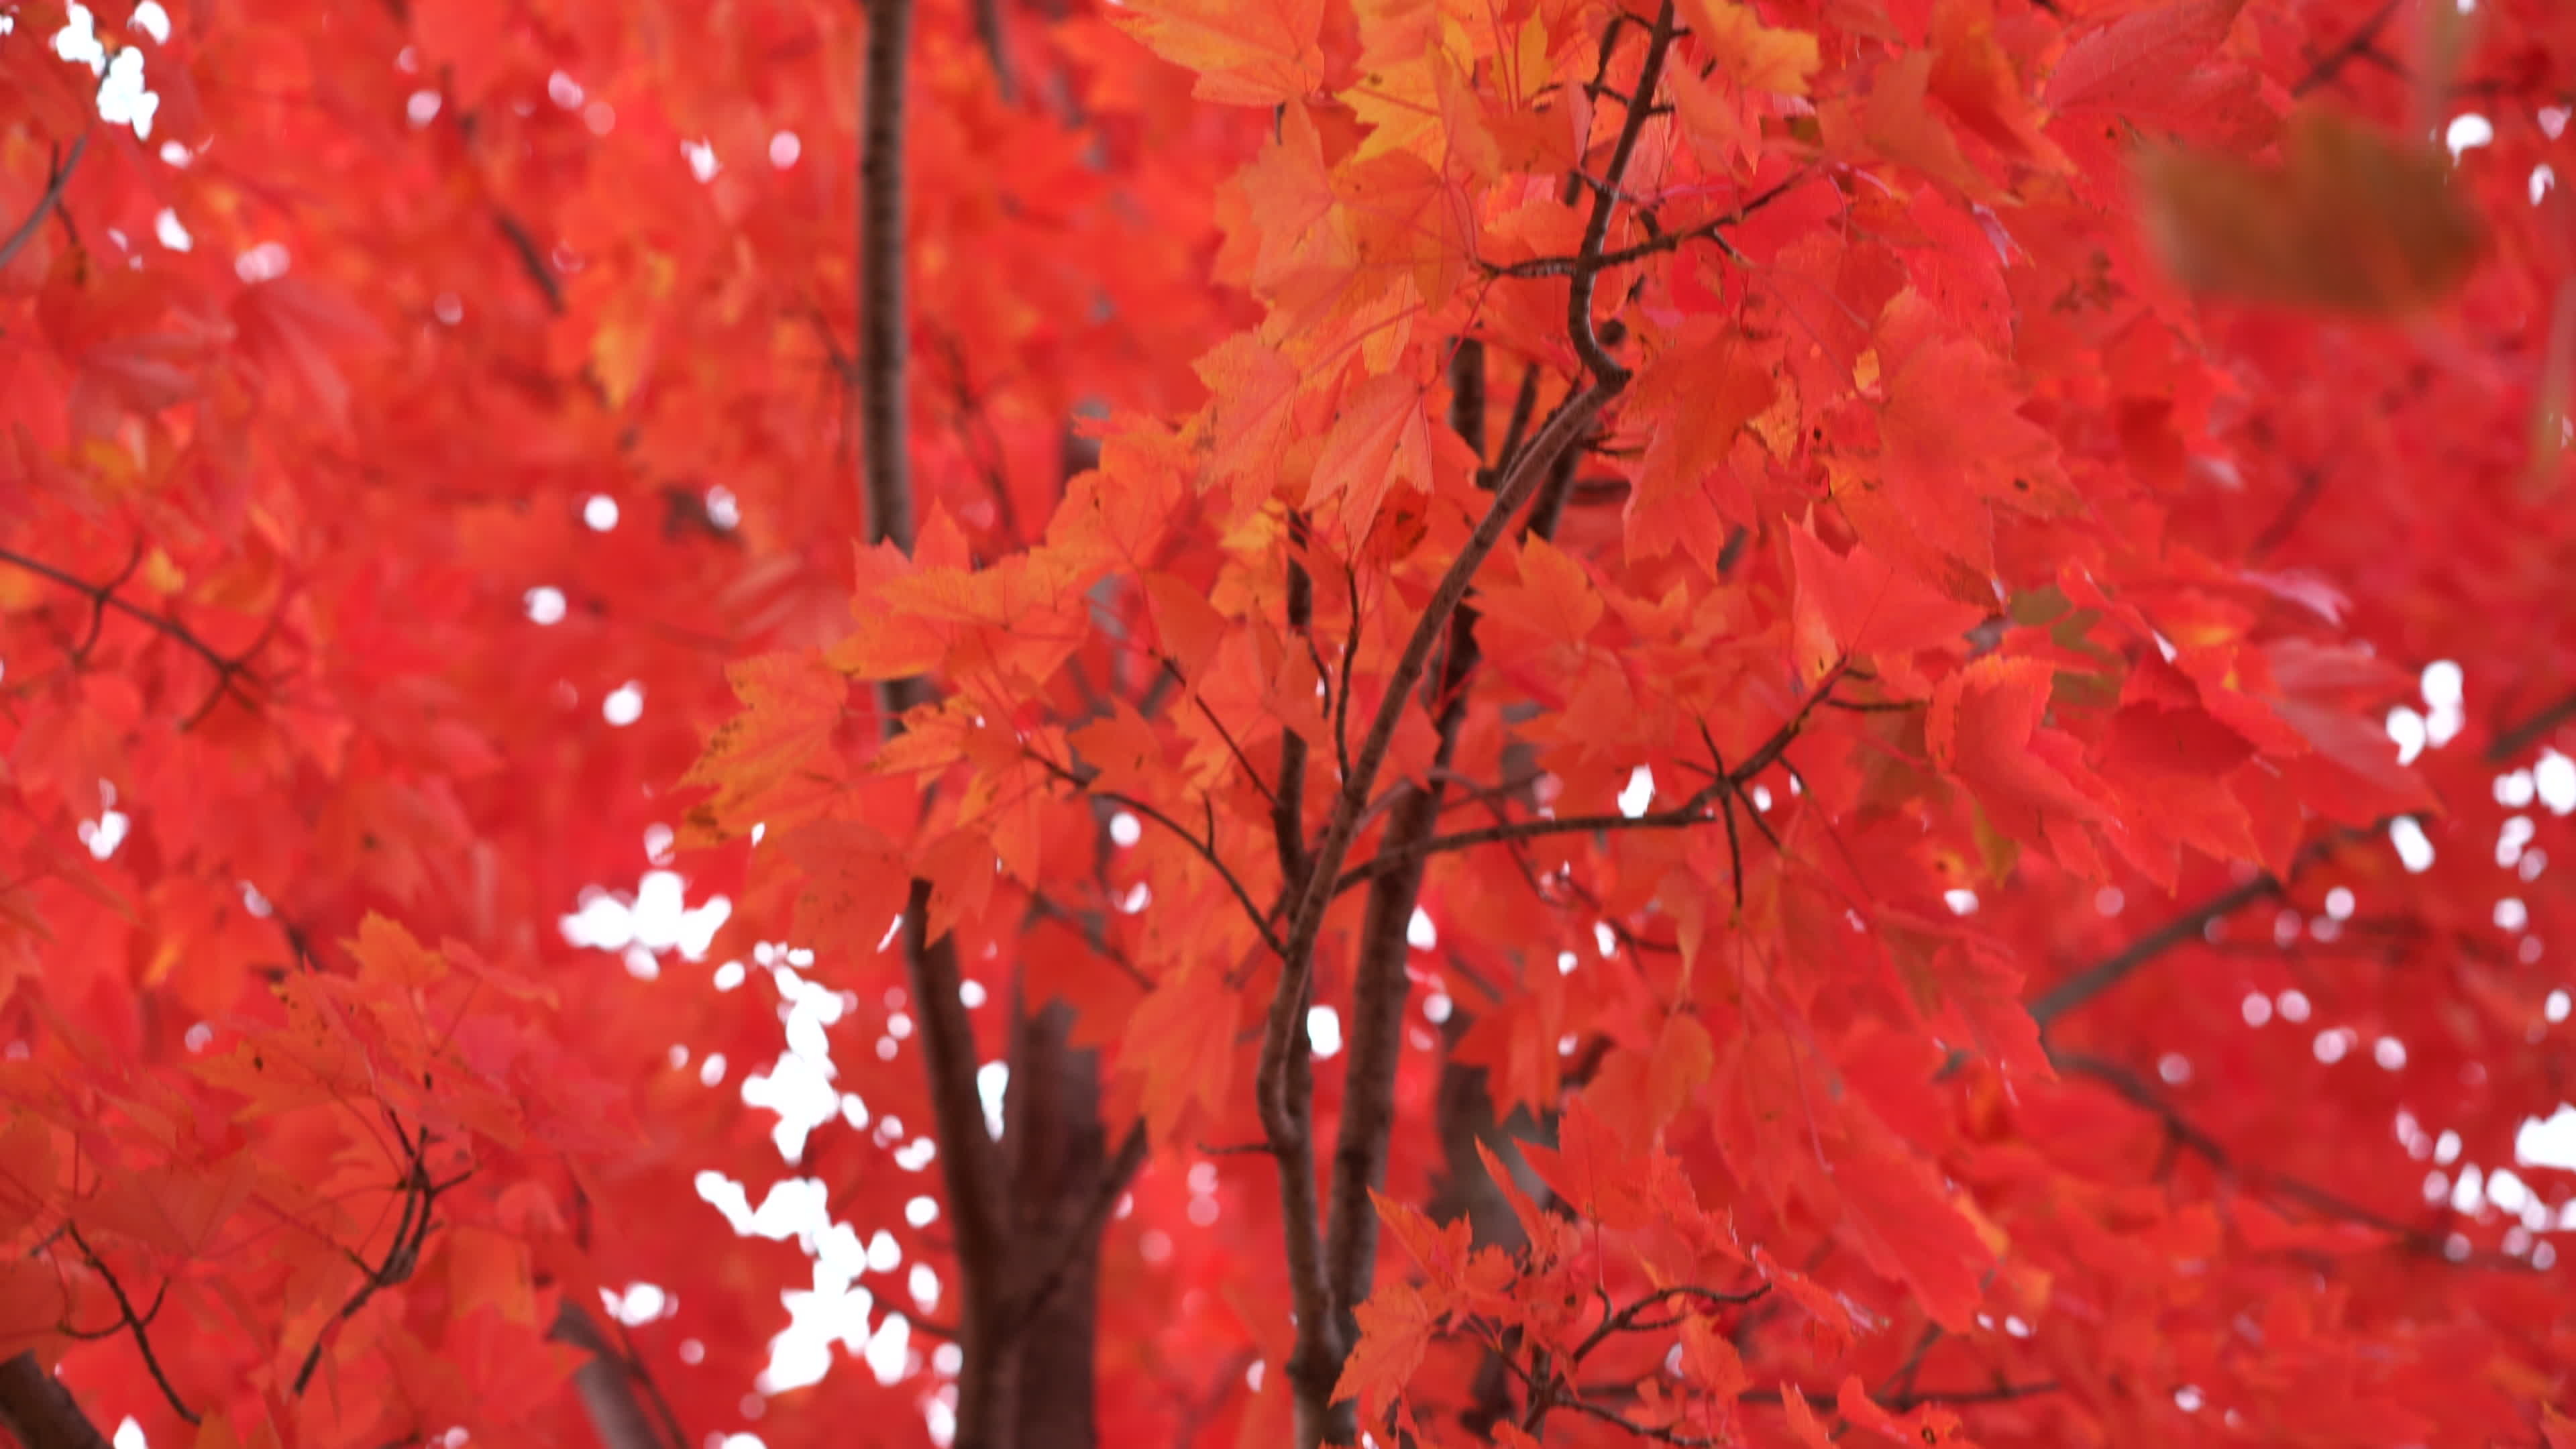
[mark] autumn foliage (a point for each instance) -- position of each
(1587, 722)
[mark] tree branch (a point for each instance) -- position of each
(59, 179)
(1285, 1110)
(139, 1323)
(1058, 1256)
(35, 1407)
(229, 670)
(1280, 1087)
(2510, 742)
(1374, 1035)
(2084, 985)
(1669, 241)
(1205, 849)
(1288, 802)
(2132, 1088)
(1590, 259)
(970, 1166)
(1396, 855)
(607, 1384)
(990, 28)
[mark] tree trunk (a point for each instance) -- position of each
(36, 1408)
(1060, 1154)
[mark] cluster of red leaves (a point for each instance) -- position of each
(1995, 550)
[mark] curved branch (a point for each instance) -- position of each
(55, 185)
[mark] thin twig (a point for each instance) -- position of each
(1281, 1085)
(1205, 849)
(138, 1322)
(228, 669)
(1668, 241)
(2180, 1130)
(56, 181)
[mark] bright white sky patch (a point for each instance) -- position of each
(624, 705)
(2414, 849)
(1324, 1030)
(1639, 793)
(2553, 779)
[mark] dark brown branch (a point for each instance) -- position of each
(1058, 1256)
(1712, 229)
(1206, 849)
(2091, 982)
(138, 1323)
(2179, 1129)
(978, 1188)
(1281, 1088)
(532, 260)
(1631, 1319)
(1374, 1033)
(420, 1195)
(991, 30)
(1284, 1109)
(2331, 64)
(2511, 741)
(2076, 990)
(102, 597)
(1241, 759)
(1288, 803)
(1590, 259)
(39, 1411)
(884, 336)
(56, 182)
(1396, 855)
(607, 1384)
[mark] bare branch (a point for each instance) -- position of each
(1281, 1088)
(1711, 229)
(978, 1186)
(607, 1384)
(1206, 849)
(1284, 1110)
(1395, 854)
(138, 1323)
(39, 1411)
(230, 670)
(1288, 803)
(55, 184)
(532, 260)
(1590, 260)
(2179, 1129)
(2511, 741)
(1380, 988)
(2084, 985)
(995, 35)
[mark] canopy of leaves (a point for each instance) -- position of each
(1721, 668)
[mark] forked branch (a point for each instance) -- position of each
(1281, 1088)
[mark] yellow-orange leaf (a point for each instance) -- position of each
(1758, 57)
(1246, 55)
